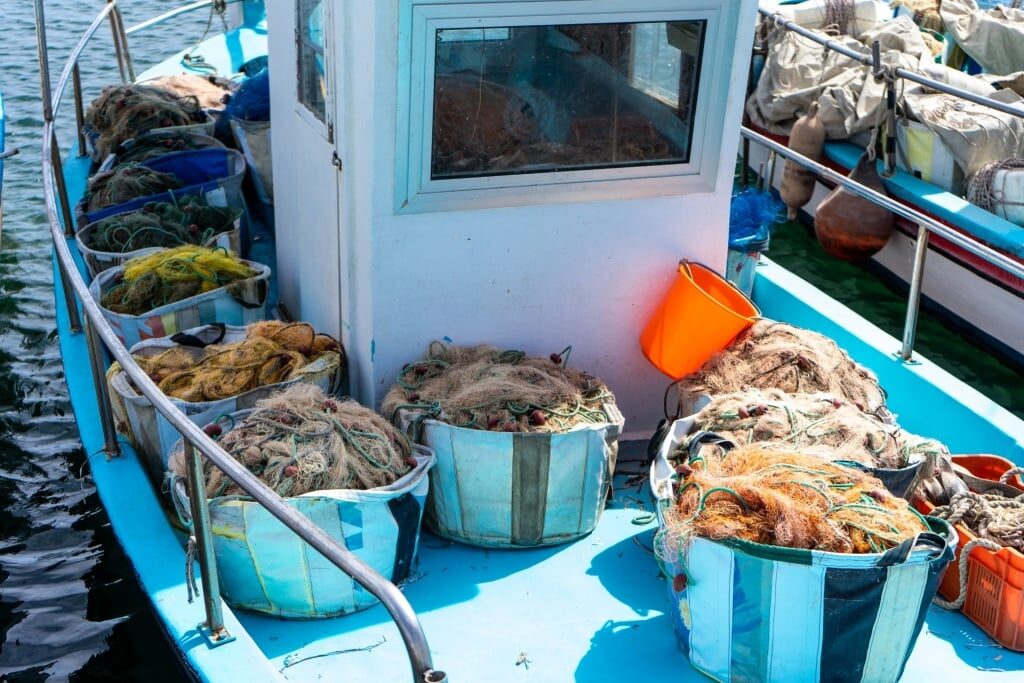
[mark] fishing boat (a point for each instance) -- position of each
(388, 237)
(954, 280)
(4, 154)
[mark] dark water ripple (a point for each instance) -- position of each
(70, 608)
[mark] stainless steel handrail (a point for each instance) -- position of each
(170, 14)
(925, 223)
(899, 71)
(389, 595)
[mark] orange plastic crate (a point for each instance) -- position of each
(995, 581)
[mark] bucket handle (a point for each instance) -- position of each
(684, 267)
(901, 553)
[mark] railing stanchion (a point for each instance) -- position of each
(44, 61)
(74, 319)
(914, 297)
(116, 35)
(202, 536)
(118, 20)
(62, 188)
(76, 82)
(99, 378)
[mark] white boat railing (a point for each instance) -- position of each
(99, 334)
(926, 224)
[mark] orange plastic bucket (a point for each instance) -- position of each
(699, 316)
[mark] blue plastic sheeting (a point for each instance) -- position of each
(987, 227)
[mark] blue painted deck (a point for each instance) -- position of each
(591, 611)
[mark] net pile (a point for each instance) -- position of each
(774, 355)
(480, 387)
(125, 183)
(991, 516)
(817, 424)
(926, 13)
(163, 277)
(162, 224)
(301, 440)
(153, 146)
(787, 499)
(272, 352)
(981, 191)
(126, 111)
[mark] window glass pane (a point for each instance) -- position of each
(312, 73)
(544, 98)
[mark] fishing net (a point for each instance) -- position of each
(982, 190)
(154, 280)
(990, 516)
(125, 183)
(153, 146)
(774, 355)
(301, 440)
(162, 224)
(126, 111)
(481, 387)
(786, 499)
(816, 424)
(272, 352)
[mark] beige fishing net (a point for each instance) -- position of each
(272, 352)
(786, 499)
(301, 440)
(481, 387)
(774, 355)
(815, 424)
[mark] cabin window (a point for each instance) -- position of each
(513, 102)
(312, 62)
(528, 99)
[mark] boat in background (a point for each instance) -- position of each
(4, 155)
(371, 245)
(985, 301)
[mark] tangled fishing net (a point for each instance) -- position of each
(982, 190)
(786, 499)
(272, 352)
(163, 277)
(817, 424)
(926, 13)
(774, 355)
(301, 440)
(161, 224)
(157, 145)
(124, 112)
(125, 183)
(991, 516)
(480, 387)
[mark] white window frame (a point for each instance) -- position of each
(325, 126)
(416, 191)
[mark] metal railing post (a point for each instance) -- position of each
(99, 379)
(914, 296)
(202, 536)
(76, 82)
(74, 319)
(62, 188)
(44, 62)
(116, 35)
(123, 39)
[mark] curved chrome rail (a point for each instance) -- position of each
(98, 332)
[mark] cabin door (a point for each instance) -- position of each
(308, 241)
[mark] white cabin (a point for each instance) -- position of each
(471, 171)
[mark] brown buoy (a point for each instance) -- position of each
(850, 227)
(807, 138)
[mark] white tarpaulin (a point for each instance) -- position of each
(799, 71)
(993, 38)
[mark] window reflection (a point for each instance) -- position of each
(544, 98)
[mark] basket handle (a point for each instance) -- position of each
(706, 438)
(185, 339)
(901, 553)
